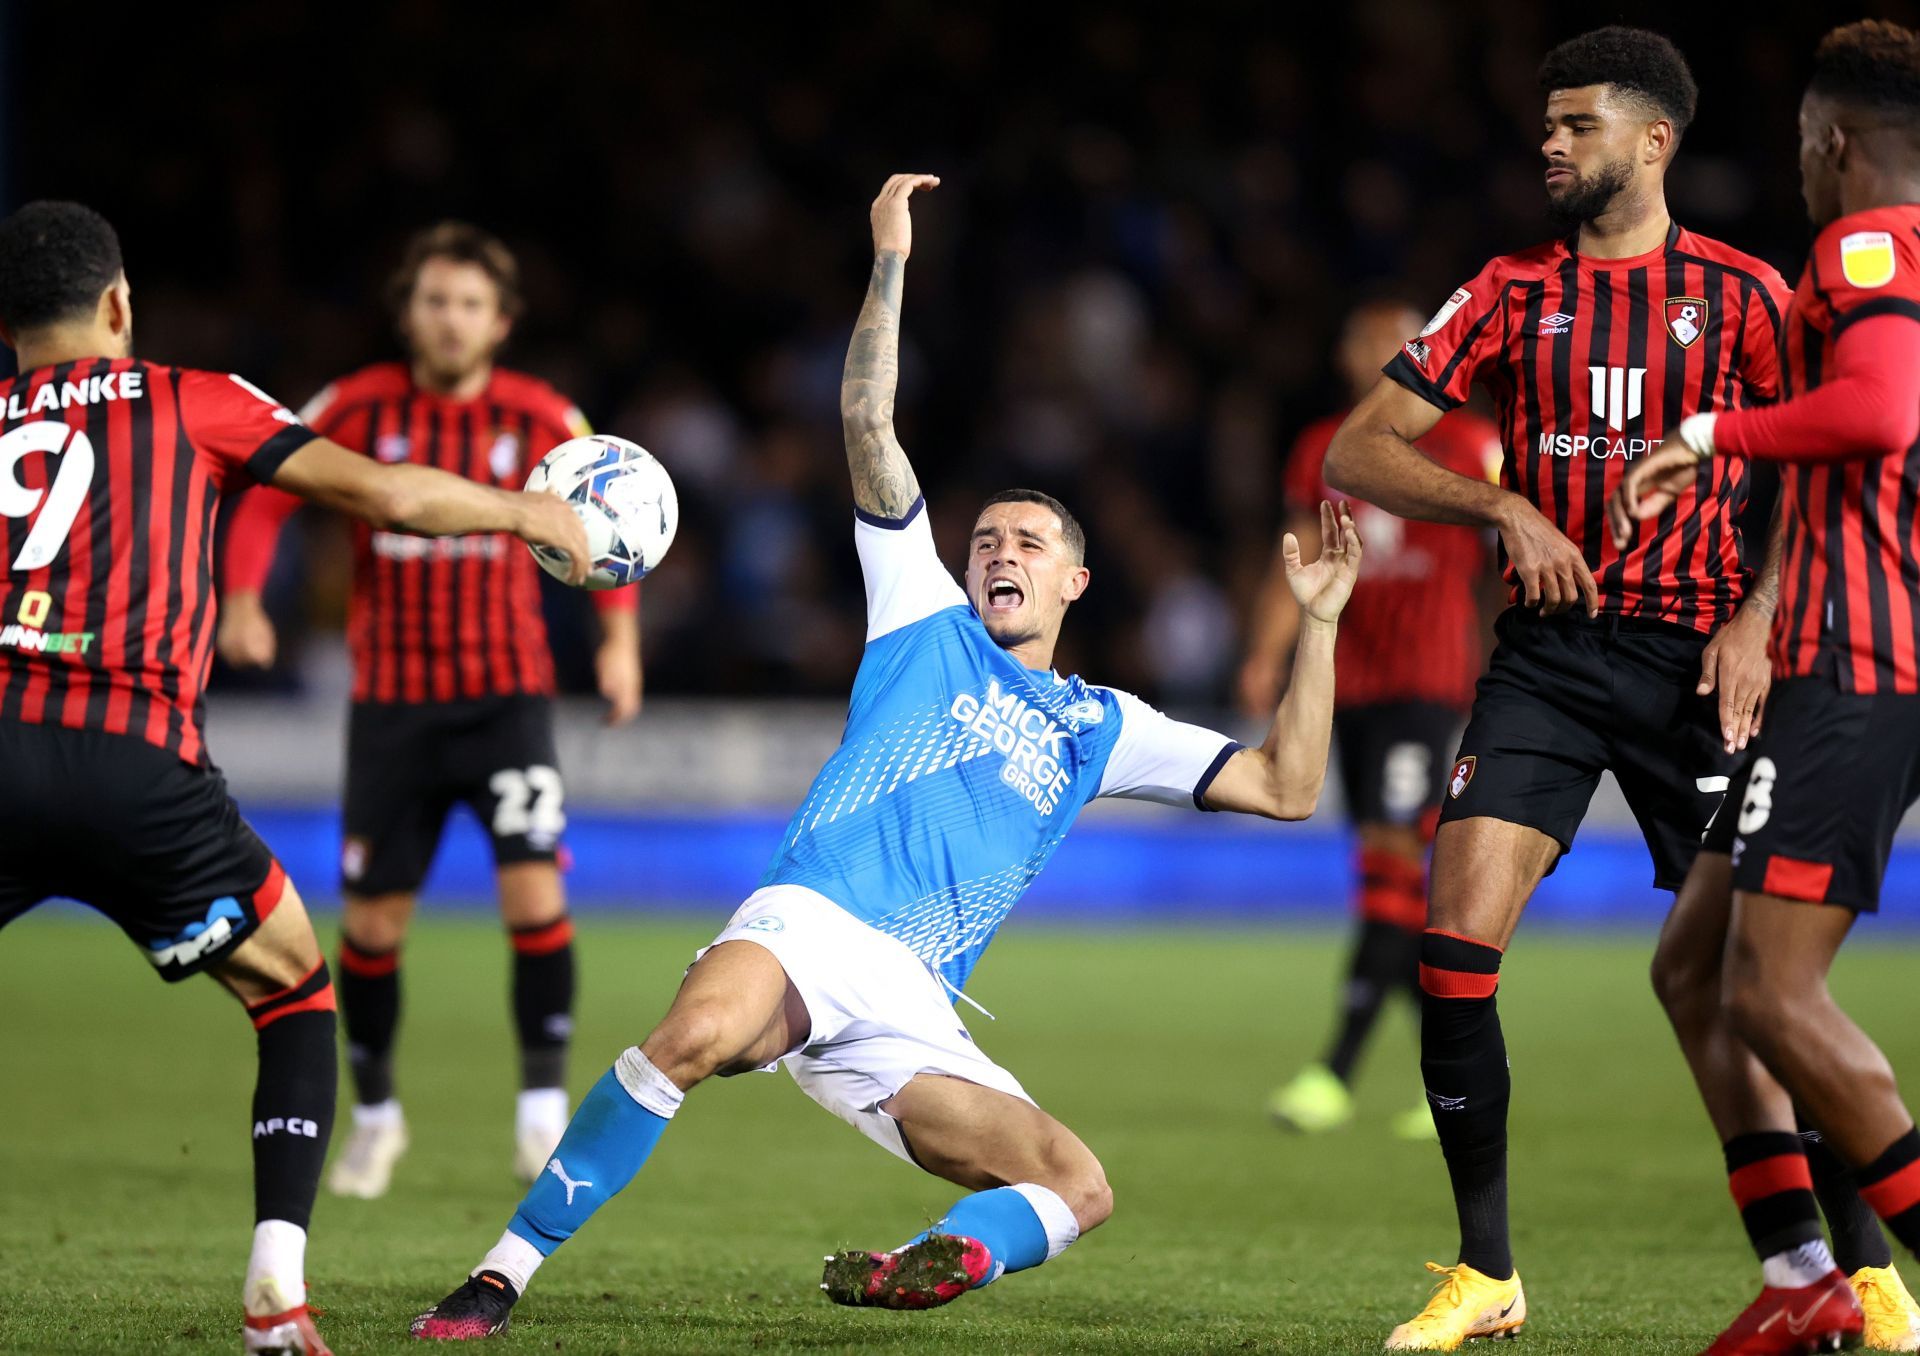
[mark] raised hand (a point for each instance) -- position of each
(1322, 588)
(892, 224)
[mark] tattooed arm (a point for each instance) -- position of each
(883, 481)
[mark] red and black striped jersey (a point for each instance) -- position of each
(1593, 362)
(111, 472)
(1411, 630)
(433, 620)
(1850, 578)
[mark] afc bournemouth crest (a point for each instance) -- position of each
(1686, 318)
(1462, 774)
(503, 458)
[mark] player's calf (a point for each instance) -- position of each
(279, 975)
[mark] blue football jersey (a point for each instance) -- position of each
(961, 769)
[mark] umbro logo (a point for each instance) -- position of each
(1557, 323)
(1441, 1103)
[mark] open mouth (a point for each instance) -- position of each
(1003, 595)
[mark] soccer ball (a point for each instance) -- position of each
(625, 500)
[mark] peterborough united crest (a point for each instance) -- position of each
(1686, 318)
(1462, 774)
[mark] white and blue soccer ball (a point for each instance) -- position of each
(625, 499)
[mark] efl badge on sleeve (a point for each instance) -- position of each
(1686, 318)
(1459, 298)
(1866, 258)
(1462, 774)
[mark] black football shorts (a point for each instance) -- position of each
(1567, 697)
(1812, 812)
(408, 765)
(1393, 759)
(155, 844)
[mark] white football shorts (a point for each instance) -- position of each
(879, 1015)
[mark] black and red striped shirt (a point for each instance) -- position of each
(111, 472)
(433, 620)
(1850, 577)
(1593, 362)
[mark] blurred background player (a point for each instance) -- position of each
(1607, 658)
(1800, 849)
(1410, 648)
(965, 761)
(453, 682)
(111, 472)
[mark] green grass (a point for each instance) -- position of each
(125, 1198)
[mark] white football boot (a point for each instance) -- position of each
(364, 1168)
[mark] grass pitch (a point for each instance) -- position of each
(124, 1167)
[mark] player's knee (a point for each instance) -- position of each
(377, 923)
(1688, 987)
(692, 1044)
(1092, 1204)
(1077, 1177)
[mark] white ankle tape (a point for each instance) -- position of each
(646, 1084)
(1055, 1217)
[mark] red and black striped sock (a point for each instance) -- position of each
(1773, 1190)
(293, 1096)
(1858, 1239)
(1891, 1185)
(370, 1006)
(1463, 1058)
(543, 1001)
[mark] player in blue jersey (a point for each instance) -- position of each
(964, 762)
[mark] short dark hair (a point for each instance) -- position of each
(1870, 64)
(56, 258)
(463, 243)
(1635, 59)
(1070, 530)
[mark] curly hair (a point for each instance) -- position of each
(56, 258)
(1633, 59)
(1870, 64)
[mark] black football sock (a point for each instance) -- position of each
(543, 1001)
(1383, 957)
(293, 1097)
(1463, 1059)
(1858, 1239)
(1891, 1185)
(1773, 1190)
(370, 1006)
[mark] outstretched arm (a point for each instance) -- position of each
(883, 481)
(1282, 778)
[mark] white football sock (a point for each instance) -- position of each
(277, 1270)
(1055, 1217)
(1797, 1267)
(383, 1114)
(514, 1258)
(540, 1109)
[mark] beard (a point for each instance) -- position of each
(1588, 195)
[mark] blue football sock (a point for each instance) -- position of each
(606, 1143)
(1006, 1222)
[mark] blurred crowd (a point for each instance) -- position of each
(1124, 293)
